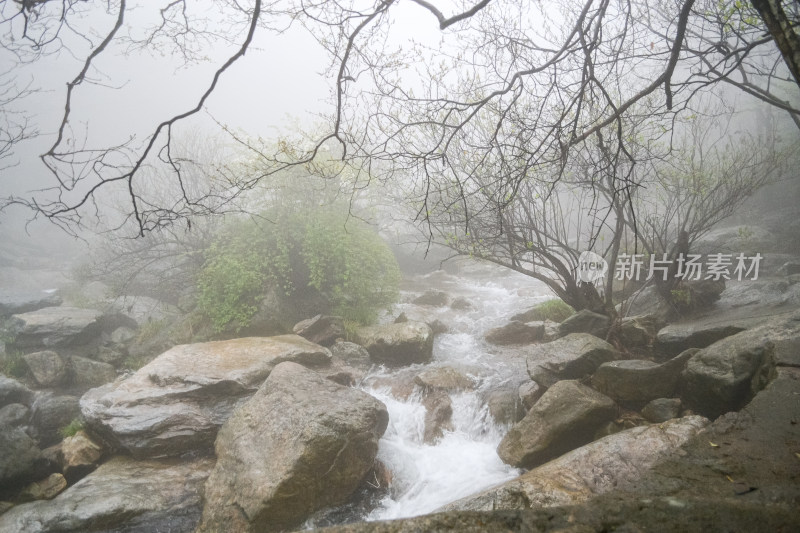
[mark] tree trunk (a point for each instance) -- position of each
(780, 27)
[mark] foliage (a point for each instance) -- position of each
(72, 428)
(13, 364)
(294, 253)
(555, 310)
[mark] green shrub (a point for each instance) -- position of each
(555, 310)
(72, 428)
(314, 254)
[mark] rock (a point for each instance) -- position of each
(516, 333)
(52, 413)
(352, 354)
(122, 334)
(432, 298)
(636, 382)
(13, 302)
(54, 327)
(597, 468)
(790, 268)
(784, 332)
(648, 302)
(177, 402)
(13, 415)
(545, 311)
(5, 506)
(79, 455)
(585, 321)
(505, 406)
(565, 417)
(662, 409)
(45, 489)
(572, 357)
(638, 331)
(443, 378)
(323, 330)
(550, 331)
(20, 459)
(727, 374)
(675, 338)
(438, 417)
(12, 391)
(121, 495)
(529, 393)
(87, 374)
(461, 304)
(299, 444)
(398, 344)
(48, 368)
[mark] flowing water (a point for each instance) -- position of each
(463, 461)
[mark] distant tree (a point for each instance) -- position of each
(550, 69)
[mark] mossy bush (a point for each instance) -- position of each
(319, 254)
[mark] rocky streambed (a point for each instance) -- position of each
(447, 407)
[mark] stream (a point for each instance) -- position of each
(463, 461)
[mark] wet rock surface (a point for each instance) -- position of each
(177, 402)
(572, 357)
(271, 479)
(397, 344)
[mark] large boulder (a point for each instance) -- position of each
(398, 344)
(54, 327)
(299, 444)
(351, 354)
(177, 402)
(661, 410)
(438, 417)
(727, 374)
(516, 332)
(638, 331)
(20, 458)
(553, 310)
(675, 338)
(572, 357)
(636, 382)
(48, 368)
(321, 329)
(567, 416)
(80, 454)
(13, 301)
(585, 321)
(12, 391)
(443, 379)
(50, 414)
(87, 373)
(597, 468)
(121, 495)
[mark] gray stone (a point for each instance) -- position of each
(543, 312)
(13, 302)
(352, 354)
(177, 402)
(572, 357)
(597, 468)
(516, 333)
(48, 368)
(675, 338)
(565, 417)
(321, 329)
(121, 495)
(443, 378)
(438, 417)
(13, 415)
(505, 406)
(87, 373)
(461, 304)
(398, 344)
(54, 327)
(727, 374)
(122, 334)
(52, 413)
(638, 331)
(12, 391)
(585, 321)
(662, 409)
(20, 459)
(529, 393)
(648, 302)
(299, 444)
(636, 382)
(432, 298)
